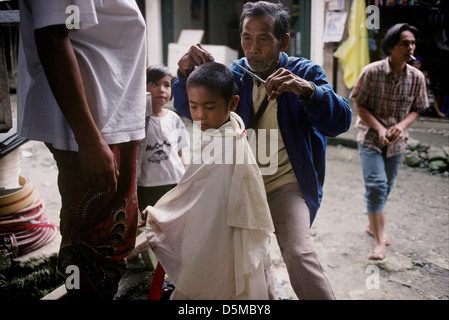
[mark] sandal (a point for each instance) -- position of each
(167, 290)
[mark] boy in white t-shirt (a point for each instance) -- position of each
(162, 164)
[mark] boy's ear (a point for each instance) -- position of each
(234, 103)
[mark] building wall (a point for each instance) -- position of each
(154, 31)
(331, 66)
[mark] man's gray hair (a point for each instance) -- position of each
(278, 11)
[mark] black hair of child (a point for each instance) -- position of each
(216, 77)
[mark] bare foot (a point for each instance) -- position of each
(378, 253)
(370, 232)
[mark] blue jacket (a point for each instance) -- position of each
(304, 124)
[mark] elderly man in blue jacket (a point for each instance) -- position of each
(296, 101)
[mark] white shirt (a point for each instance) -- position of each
(161, 164)
(110, 48)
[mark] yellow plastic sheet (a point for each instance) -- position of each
(353, 54)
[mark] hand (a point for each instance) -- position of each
(194, 57)
(285, 81)
(144, 216)
(98, 166)
(382, 132)
(396, 133)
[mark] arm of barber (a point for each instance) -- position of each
(327, 111)
(58, 59)
(194, 57)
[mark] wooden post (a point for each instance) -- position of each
(5, 103)
(7, 18)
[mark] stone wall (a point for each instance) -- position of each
(435, 159)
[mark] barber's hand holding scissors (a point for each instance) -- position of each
(194, 57)
(285, 81)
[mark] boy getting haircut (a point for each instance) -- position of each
(210, 233)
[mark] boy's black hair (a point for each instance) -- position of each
(156, 73)
(393, 36)
(214, 76)
(278, 11)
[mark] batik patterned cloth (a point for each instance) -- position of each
(98, 229)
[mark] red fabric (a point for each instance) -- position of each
(156, 283)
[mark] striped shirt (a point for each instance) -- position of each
(389, 100)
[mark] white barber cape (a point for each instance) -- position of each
(210, 233)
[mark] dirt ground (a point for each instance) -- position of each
(417, 263)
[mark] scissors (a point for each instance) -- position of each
(253, 75)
